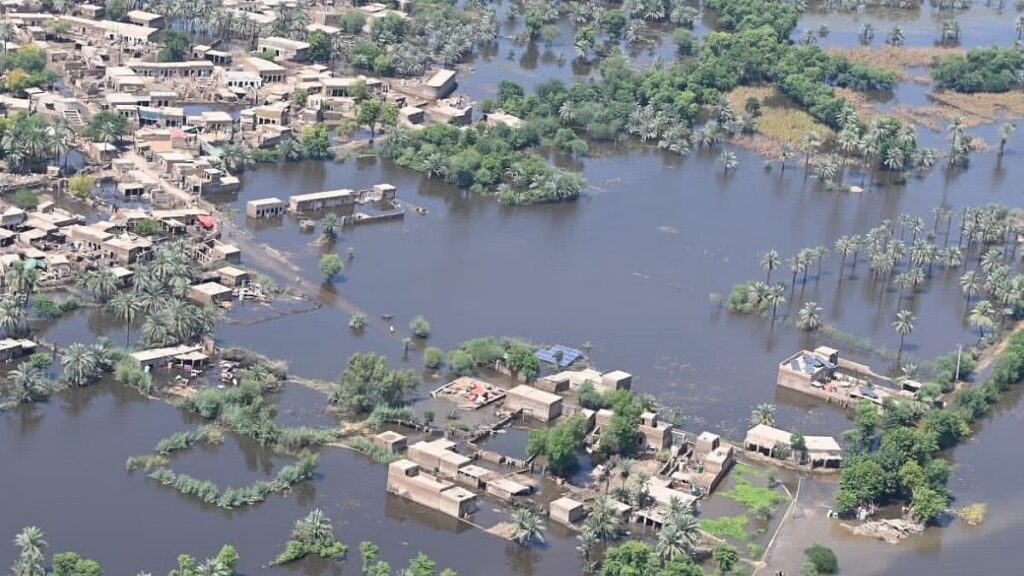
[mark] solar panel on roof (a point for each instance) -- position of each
(551, 355)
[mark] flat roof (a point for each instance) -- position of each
(388, 435)
(261, 65)
(231, 271)
(439, 78)
(265, 202)
(326, 194)
(535, 394)
(144, 356)
(458, 493)
(211, 288)
(510, 486)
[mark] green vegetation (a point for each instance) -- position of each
(905, 465)
(620, 436)
(419, 327)
(177, 47)
(559, 445)
(31, 560)
(734, 527)
(432, 357)
(26, 199)
(635, 558)
(107, 127)
(485, 161)
(357, 321)
(25, 68)
(330, 266)
(129, 372)
(368, 381)
(754, 498)
(230, 498)
(312, 535)
(208, 434)
(981, 70)
(375, 452)
(147, 227)
(823, 559)
(46, 308)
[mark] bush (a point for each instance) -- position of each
(129, 372)
(420, 327)
(26, 199)
(46, 308)
(461, 362)
(432, 357)
(823, 558)
(358, 321)
(330, 266)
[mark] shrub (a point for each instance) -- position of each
(432, 357)
(358, 321)
(330, 266)
(981, 70)
(823, 558)
(420, 327)
(26, 199)
(461, 362)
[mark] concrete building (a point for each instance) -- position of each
(12, 349)
(506, 488)
(283, 48)
(127, 35)
(142, 18)
(321, 200)
(264, 208)
(657, 435)
(209, 293)
(165, 70)
(266, 70)
(406, 480)
(567, 511)
(534, 403)
(232, 277)
(128, 249)
(615, 380)
(438, 456)
(391, 442)
(822, 451)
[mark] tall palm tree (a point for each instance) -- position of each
(810, 145)
(981, 317)
(31, 543)
(763, 414)
(126, 306)
(970, 284)
(80, 366)
(785, 153)
(8, 33)
(903, 325)
(314, 527)
(776, 296)
(1005, 133)
(770, 261)
(670, 545)
(1018, 26)
(23, 278)
(602, 518)
(527, 527)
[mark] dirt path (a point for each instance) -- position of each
(993, 352)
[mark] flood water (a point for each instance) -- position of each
(630, 269)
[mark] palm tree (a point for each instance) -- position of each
(670, 545)
(845, 247)
(23, 278)
(970, 284)
(1018, 25)
(903, 325)
(102, 283)
(329, 227)
(785, 153)
(1005, 133)
(29, 383)
(809, 317)
(776, 296)
(12, 316)
(79, 364)
(763, 414)
(587, 539)
(527, 527)
(770, 261)
(981, 317)
(126, 306)
(810, 144)
(62, 138)
(314, 527)
(32, 548)
(8, 33)
(602, 519)
(867, 33)
(728, 160)
(896, 37)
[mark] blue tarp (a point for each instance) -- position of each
(551, 355)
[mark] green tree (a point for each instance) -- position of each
(559, 445)
(527, 527)
(329, 226)
(521, 360)
(763, 414)
(799, 445)
(330, 266)
(316, 141)
(312, 535)
(461, 362)
(71, 564)
(369, 381)
(177, 47)
(726, 559)
(823, 558)
(633, 558)
(432, 357)
(419, 327)
(321, 47)
(373, 113)
(904, 326)
(106, 127)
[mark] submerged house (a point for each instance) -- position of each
(822, 451)
(407, 480)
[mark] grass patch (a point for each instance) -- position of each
(745, 471)
(734, 527)
(781, 120)
(753, 497)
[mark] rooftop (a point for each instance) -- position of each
(535, 394)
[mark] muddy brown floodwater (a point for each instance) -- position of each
(628, 268)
